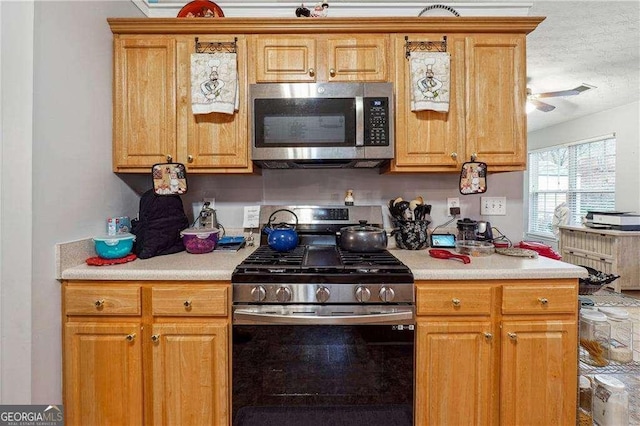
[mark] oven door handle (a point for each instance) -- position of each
(248, 316)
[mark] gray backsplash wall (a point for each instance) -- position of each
(328, 187)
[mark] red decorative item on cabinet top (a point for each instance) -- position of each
(201, 9)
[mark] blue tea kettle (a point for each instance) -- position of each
(283, 236)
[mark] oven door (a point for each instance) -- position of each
(301, 365)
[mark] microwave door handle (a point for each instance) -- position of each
(250, 317)
(359, 121)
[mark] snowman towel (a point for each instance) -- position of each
(214, 83)
(430, 81)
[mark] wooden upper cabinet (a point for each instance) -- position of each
(340, 57)
(429, 140)
(144, 102)
(153, 119)
(496, 95)
(213, 142)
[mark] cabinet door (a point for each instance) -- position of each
(539, 372)
(496, 95)
(361, 57)
(454, 379)
(144, 102)
(429, 140)
(284, 59)
(102, 374)
(190, 375)
(214, 142)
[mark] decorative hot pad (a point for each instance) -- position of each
(518, 252)
(99, 261)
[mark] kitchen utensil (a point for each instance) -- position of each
(445, 254)
(362, 238)
(283, 236)
(114, 246)
(475, 248)
(595, 281)
(403, 210)
(422, 212)
(411, 234)
(201, 240)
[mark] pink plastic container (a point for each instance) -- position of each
(200, 240)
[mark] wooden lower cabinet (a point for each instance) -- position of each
(496, 352)
(103, 374)
(132, 355)
(189, 370)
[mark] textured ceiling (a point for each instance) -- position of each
(593, 42)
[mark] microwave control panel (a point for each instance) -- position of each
(376, 121)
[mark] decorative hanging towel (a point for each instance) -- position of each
(214, 83)
(430, 81)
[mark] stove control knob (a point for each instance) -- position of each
(258, 293)
(387, 294)
(283, 294)
(363, 294)
(322, 294)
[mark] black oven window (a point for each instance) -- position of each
(297, 372)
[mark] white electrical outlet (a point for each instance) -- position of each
(452, 202)
(493, 206)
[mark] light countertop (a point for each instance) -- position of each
(218, 266)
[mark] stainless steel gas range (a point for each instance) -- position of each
(319, 331)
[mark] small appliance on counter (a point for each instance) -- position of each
(469, 230)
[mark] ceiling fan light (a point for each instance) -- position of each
(529, 107)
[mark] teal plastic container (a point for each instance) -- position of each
(114, 246)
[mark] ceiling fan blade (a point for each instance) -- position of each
(583, 87)
(542, 106)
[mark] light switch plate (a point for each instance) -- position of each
(493, 206)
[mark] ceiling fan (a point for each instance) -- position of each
(533, 101)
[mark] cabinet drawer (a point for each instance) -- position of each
(458, 300)
(102, 300)
(537, 299)
(189, 301)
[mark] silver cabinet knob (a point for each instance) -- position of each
(283, 294)
(258, 293)
(99, 303)
(131, 337)
(322, 294)
(187, 304)
(488, 335)
(155, 338)
(543, 300)
(512, 336)
(474, 156)
(332, 72)
(363, 294)
(169, 159)
(312, 72)
(190, 158)
(454, 155)
(387, 294)
(455, 301)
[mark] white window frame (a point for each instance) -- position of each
(568, 193)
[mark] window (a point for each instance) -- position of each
(581, 174)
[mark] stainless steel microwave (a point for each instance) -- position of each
(321, 125)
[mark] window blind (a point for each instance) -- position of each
(580, 174)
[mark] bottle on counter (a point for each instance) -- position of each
(610, 404)
(621, 341)
(595, 333)
(348, 199)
